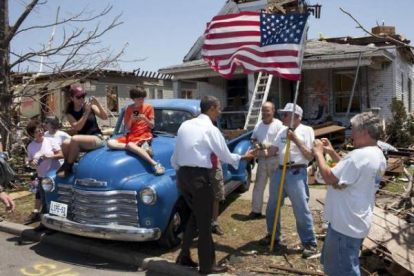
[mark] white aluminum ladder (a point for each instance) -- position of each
(261, 91)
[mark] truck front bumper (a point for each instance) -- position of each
(107, 232)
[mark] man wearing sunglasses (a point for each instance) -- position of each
(296, 179)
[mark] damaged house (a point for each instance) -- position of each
(328, 72)
(45, 95)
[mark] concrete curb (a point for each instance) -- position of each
(92, 247)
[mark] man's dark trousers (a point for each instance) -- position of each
(195, 186)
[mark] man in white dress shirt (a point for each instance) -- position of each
(264, 133)
(196, 140)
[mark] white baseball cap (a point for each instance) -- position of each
(289, 108)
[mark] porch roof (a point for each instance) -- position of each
(318, 55)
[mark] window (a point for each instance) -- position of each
(187, 94)
(151, 94)
(112, 98)
(160, 94)
(237, 93)
(343, 82)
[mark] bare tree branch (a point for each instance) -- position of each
(374, 35)
(6, 42)
(74, 18)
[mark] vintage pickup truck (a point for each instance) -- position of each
(114, 195)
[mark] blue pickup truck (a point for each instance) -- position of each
(114, 195)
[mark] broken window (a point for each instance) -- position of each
(237, 93)
(112, 98)
(159, 94)
(343, 82)
(186, 94)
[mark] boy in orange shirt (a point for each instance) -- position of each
(139, 120)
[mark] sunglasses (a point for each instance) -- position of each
(39, 130)
(81, 97)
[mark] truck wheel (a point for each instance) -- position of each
(173, 235)
(244, 187)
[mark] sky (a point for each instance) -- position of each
(162, 31)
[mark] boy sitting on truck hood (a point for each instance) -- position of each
(139, 120)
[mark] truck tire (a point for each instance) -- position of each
(244, 187)
(172, 237)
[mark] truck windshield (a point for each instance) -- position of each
(166, 120)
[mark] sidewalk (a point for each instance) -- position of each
(315, 193)
(97, 248)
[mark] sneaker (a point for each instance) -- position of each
(32, 218)
(253, 215)
(309, 250)
(159, 169)
(217, 230)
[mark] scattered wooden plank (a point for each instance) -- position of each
(16, 195)
(298, 270)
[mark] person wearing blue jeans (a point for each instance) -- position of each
(349, 201)
(296, 188)
(296, 182)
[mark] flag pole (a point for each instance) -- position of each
(282, 179)
(287, 153)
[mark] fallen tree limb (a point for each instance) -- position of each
(298, 270)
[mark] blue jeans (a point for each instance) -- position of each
(340, 254)
(296, 188)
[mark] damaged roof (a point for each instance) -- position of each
(315, 50)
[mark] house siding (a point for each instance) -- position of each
(381, 88)
(216, 87)
(404, 70)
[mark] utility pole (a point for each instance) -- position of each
(5, 97)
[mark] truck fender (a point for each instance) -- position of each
(240, 173)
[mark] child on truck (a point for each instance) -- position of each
(139, 120)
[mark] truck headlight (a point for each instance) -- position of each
(148, 196)
(48, 184)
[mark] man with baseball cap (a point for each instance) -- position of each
(296, 179)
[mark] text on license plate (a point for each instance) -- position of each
(58, 209)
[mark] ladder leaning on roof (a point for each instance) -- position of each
(259, 97)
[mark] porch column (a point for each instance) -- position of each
(251, 83)
(176, 87)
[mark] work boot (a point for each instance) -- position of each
(32, 218)
(278, 243)
(309, 250)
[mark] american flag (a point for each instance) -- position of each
(270, 43)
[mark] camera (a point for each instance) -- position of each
(135, 113)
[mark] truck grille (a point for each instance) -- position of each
(100, 208)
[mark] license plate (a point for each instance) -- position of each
(58, 209)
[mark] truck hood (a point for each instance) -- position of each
(106, 169)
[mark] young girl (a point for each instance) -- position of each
(44, 154)
(82, 117)
(139, 120)
(52, 126)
